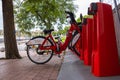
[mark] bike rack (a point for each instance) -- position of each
(83, 34)
(88, 42)
(105, 61)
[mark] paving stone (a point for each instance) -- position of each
(24, 69)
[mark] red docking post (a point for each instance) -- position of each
(88, 42)
(83, 38)
(105, 60)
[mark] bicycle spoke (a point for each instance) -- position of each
(39, 56)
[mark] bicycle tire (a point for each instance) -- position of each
(74, 42)
(41, 54)
(70, 46)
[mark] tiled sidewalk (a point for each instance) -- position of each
(24, 69)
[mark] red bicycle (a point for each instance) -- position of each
(40, 49)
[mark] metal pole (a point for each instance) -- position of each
(117, 10)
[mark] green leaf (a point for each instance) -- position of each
(42, 13)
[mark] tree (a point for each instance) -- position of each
(9, 30)
(42, 13)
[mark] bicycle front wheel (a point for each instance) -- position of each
(35, 54)
(75, 43)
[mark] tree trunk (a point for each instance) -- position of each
(11, 50)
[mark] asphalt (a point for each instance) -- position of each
(74, 69)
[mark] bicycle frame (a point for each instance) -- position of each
(74, 27)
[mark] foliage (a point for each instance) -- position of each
(61, 32)
(63, 38)
(78, 20)
(41, 13)
(88, 16)
(85, 16)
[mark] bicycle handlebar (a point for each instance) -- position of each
(71, 15)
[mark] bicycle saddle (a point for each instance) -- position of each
(48, 31)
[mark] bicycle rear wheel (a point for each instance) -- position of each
(35, 54)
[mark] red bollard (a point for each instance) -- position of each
(105, 60)
(83, 41)
(88, 42)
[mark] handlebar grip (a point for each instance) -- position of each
(67, 12)
(71, 15)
